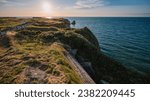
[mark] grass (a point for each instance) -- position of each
(39, 28)
(7, 22)
(60, 60)
(10, 76)
(39, 55)
(39, 48)
(73, 78)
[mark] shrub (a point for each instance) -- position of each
(4, 41)
(33, 63)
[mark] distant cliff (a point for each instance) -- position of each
(49, 51)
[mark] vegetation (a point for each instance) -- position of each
(8, 22)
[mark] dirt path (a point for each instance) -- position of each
(11, 33)
(79, 69)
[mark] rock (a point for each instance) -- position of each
(74, 22)
(74, 52)
(88, 35)
(104, 82)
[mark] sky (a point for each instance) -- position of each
(76, 8)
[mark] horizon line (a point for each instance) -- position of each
(71, 16)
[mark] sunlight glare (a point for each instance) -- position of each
(46, 7)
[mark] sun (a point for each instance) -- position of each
(46, 7)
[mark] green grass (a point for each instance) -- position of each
(10, 76)
(7, 22)
(60, 60)
(72, 76)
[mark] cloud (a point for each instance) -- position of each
(3, 1)
(12, 2)
(87, 4)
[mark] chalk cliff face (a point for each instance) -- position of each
(49, 51)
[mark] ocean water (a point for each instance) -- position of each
(127, 40)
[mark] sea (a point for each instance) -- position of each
(125, 39)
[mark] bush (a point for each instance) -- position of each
(33, 63)
(4, 41)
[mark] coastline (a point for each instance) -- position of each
(39, 49)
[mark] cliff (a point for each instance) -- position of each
(49, 51)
